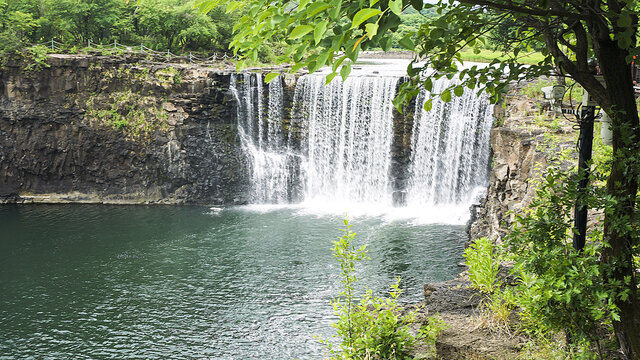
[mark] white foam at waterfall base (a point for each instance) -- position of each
(421, 215)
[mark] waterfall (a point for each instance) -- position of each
(272, 164)
(335, 143)
(450, 148)
(347, 127)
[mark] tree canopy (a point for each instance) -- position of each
(570, 34)
(160, 24)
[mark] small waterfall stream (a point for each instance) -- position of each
(450, 148)
(273, 164)
(335, 144)
(347, 128)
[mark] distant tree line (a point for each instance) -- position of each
(173, 25)
(159, 24)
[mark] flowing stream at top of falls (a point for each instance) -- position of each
(343, 143)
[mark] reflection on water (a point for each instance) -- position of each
(113, 282)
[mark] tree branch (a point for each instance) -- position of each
(525, 10)
(584, 78)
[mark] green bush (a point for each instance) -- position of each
(483, 265)
(561, 289)
(370, 327)
(37, 58)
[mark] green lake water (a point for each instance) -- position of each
(136, 282)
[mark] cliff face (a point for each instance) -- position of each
(104, 129)
(524, 143)
(122, 130)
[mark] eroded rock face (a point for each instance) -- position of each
(117, 130)
(527, 141)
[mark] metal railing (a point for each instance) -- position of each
(116, 49)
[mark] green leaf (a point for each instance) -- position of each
(373, 2)
(303, 3)
(458, 90)
(270, 76)
(371, 29)
(624, 20)
(338, 62)
(386, 44)
(428, 105)
(233, 6)
(396, 6)
(312, 66)
(302, 50)
(320, 29)
(322, 59)
(204, 6)
(315, 8)
(276, 19)
(345, 71)
(240, 65)
(407, 43)
(446, 96)
(330, 78)
(362, 16)
(428, 84)
(297, 67)
(300, 31)
(417, 4)
(334, 13)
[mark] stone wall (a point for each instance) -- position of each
(118, 130)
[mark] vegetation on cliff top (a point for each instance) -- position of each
(158, 24)
(162, 25)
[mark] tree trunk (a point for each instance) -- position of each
(622, 186)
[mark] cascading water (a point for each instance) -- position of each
(450, 149)
(337, 145)
(273, 165)
(347, 127)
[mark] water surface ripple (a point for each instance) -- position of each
(120, 282)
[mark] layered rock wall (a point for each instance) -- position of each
(525, 141)
(118, 130)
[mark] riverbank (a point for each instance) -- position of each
(526, 140)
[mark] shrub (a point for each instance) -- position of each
(370, 327)
(483, 265)
(561, 289)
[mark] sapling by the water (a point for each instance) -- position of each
(369, 327)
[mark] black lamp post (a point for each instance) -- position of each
(585, 145)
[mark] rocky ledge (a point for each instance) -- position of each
(525, 139)
(97, 129)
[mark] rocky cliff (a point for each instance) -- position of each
(524, 141)
(118, 130)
